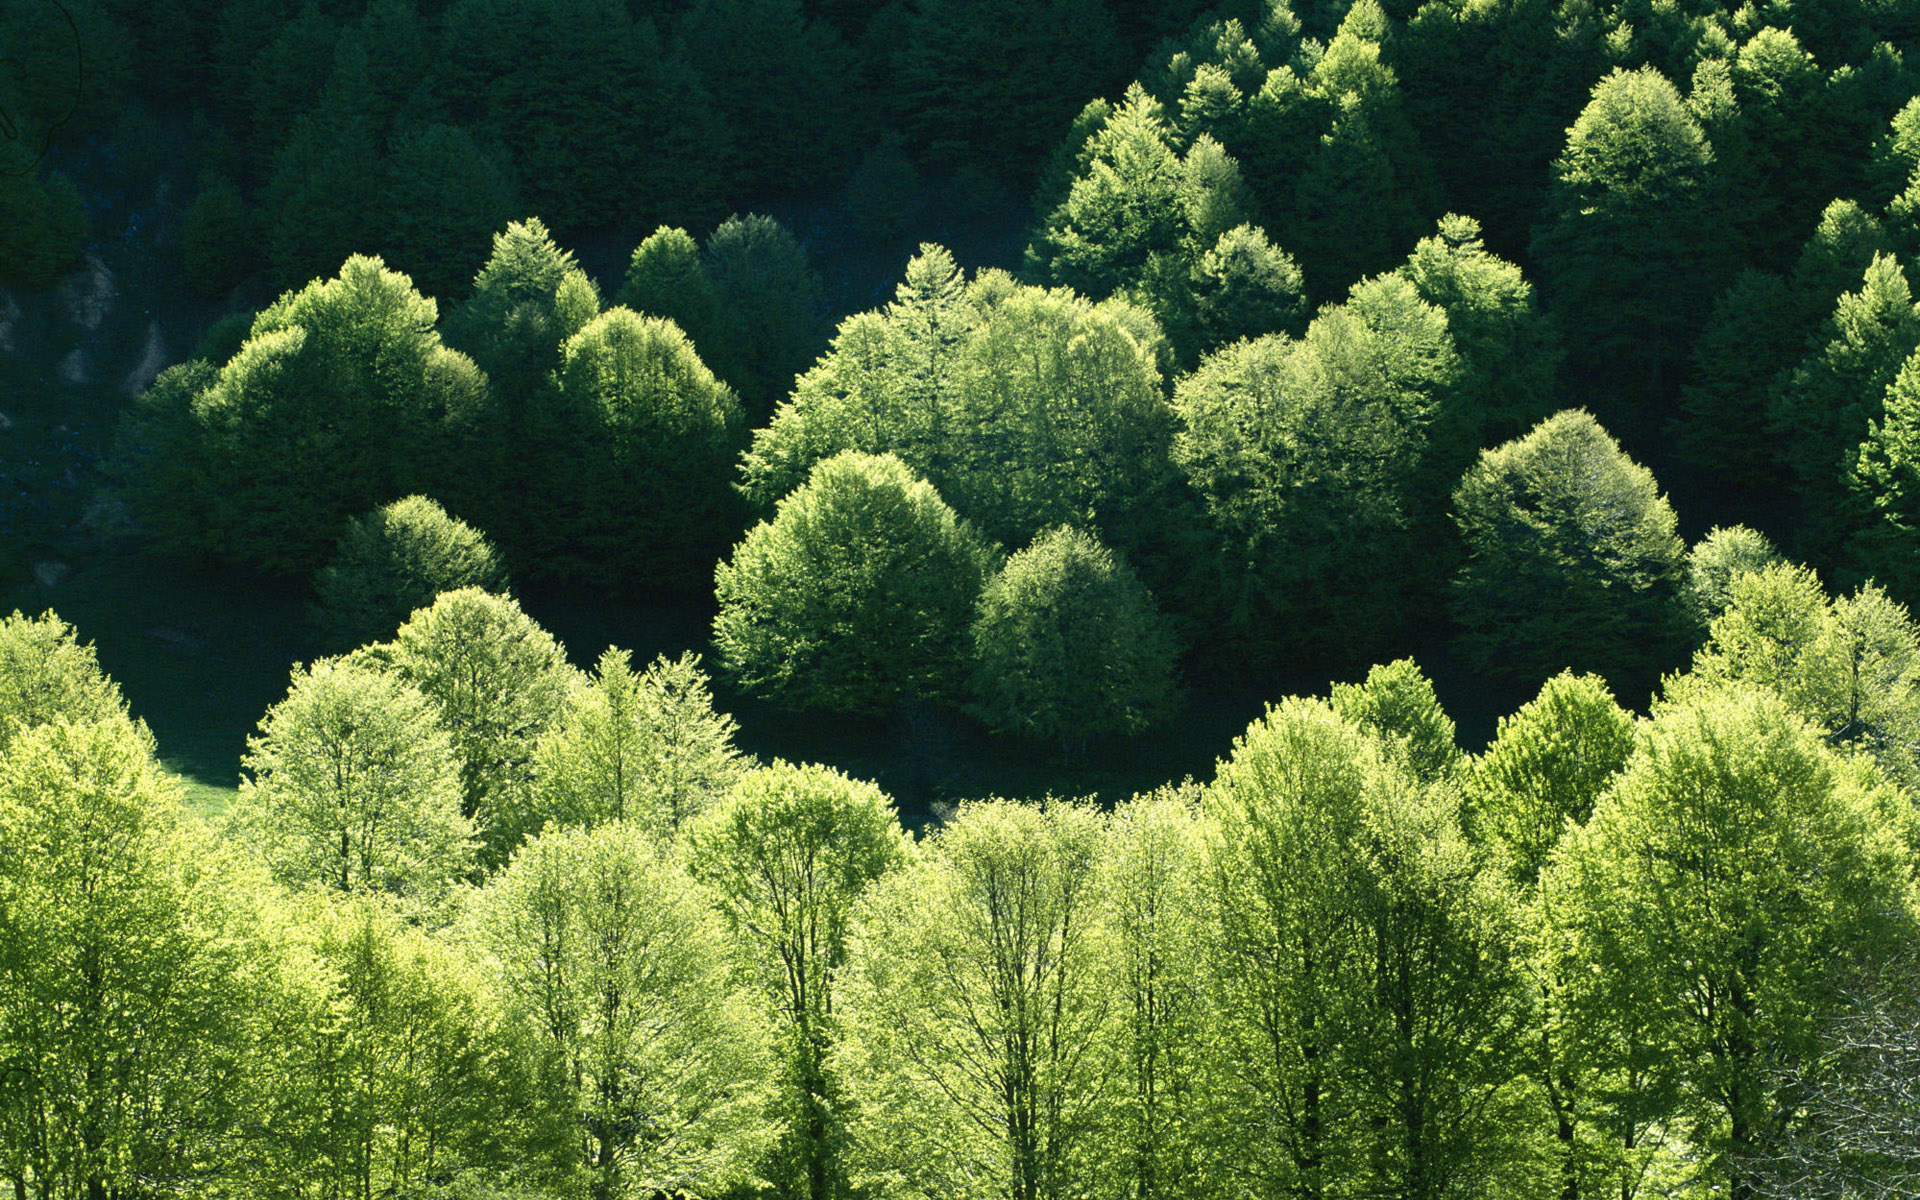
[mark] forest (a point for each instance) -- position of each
(1376, 539)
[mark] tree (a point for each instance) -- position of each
(497, 681)
(1715, 561)
(122, 974)
(769, 323)
(1310, 460)
(1851, 666)
(1628, 250)
(986, 85)
(528, 299)
(648, 435)
(1826, 408)
(394, 560)
(1549, 762)
(787, 854)
(341, 397)
(1396, 705)
(1737, 868)
(855, 596)
(617, 970)
(666, 278)
(216, 240)
(644, 748)
(1509, 351)
(1572, 559)
(1026, 408)
(1152, 872)
(352, 786)
(976, 1007)
(1883, 477)
(1067, 643)
(446, 194)
(46, 674)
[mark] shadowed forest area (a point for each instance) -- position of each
(1042, 600)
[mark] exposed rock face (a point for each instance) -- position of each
(153, 360)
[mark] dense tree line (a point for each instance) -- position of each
(483, 926)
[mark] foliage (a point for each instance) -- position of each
(497, 681)
(855, 596)
(1738, 866)
(1396, 705)
(122, 980)
(216, 240)
(353, 787)
(341, 397)
(616, 970)
(646, 434)
(1308, 456)
(1025, 408)
(48, 673)
(394, 560)
(787, 854)
(1067, 643)
(1715, 560)
(1548, 764)
(1572, 559)
(977, 1003)
(644, 748)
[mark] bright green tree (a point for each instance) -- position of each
(1547, 765)
(1067, 643)
(642, 747)
(48, 673)
(122, 978)
(1572, 559)
(1397, 706)
(497, 681)
(1723, 887)
(855, 596)
(1883, 477)
(612, 962)
(975, 1008)
(352, 786)
(787, 853)
(396, 559)
(666, 278)
(1713, 562)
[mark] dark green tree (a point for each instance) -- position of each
(1572, 559)
(647, 435)
(771, 309)
(396, 559)
(855, 596)
(1629, 251)
(445, 194)
(1067, 644)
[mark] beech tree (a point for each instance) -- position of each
(616, 968)
(644, 747)
(977, 1001)
(1572, 559)
(1025, 408)
(496, 681)
(351, 785)
(787, 854)
(396, 559)
(1723, 886)
(855, 596)
(48, 673)
(122, 969)
(1713, 563)
(1067, 643)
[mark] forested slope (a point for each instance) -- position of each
(1337, 331)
